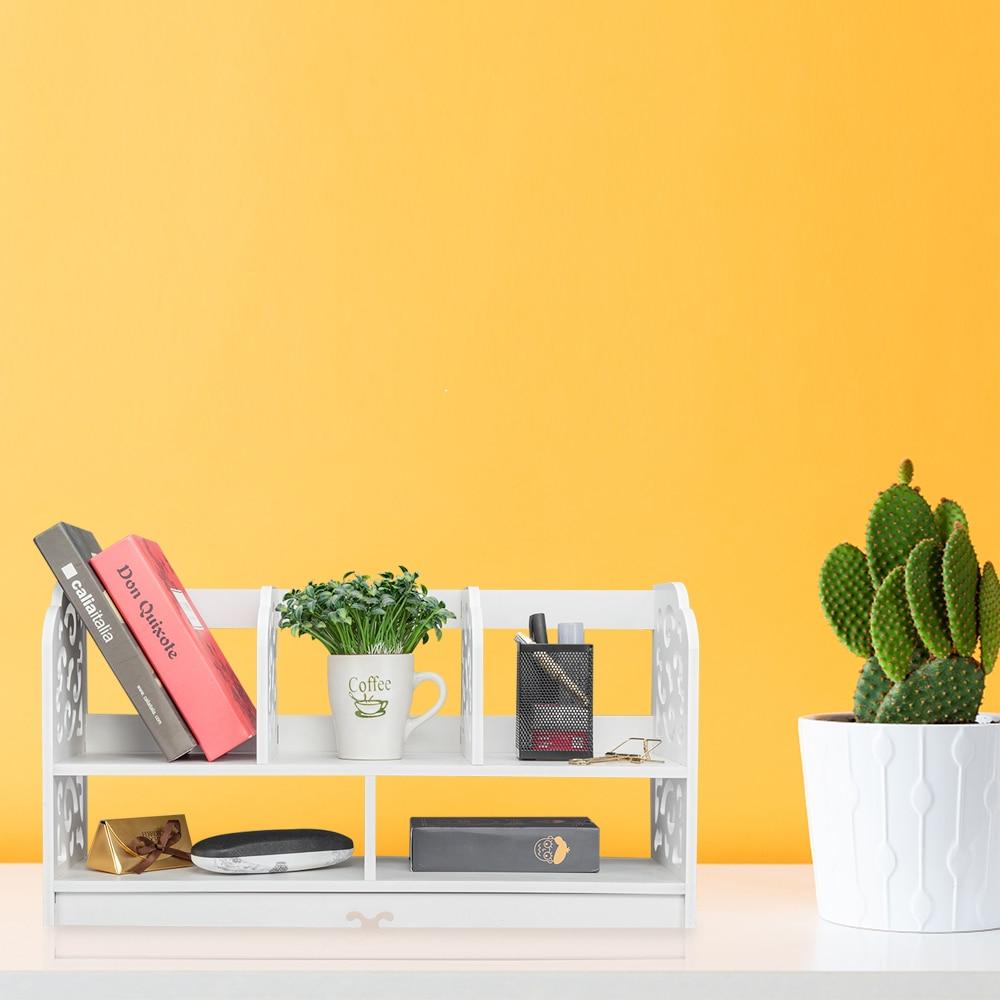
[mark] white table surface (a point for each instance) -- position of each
(758, 936)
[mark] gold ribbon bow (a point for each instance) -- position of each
(150, 850)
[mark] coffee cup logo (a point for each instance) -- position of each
(364, 692)
(551, 850)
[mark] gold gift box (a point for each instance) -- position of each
(143, 844)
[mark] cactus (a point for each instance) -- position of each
(871, 689)
(946, 514)
(938, 691)
(893, 634)
(989, 617)
(845, 591)
(960, 573)
(900, 518)
(916, 601)
(925, 596)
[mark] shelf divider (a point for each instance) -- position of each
(267, 681)
(371, 828)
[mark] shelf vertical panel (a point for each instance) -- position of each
(691, 818)
(64, 735)
(371, 828)
(267, 678)
(674, 801)
(473, 721)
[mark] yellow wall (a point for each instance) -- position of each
(296, 288)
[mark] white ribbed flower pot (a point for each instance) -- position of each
(904, 822)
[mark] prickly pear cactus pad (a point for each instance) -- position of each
(989, 617)
(960, 572)
(925, 596)
(871, 689)
(900, 518)
(846, 593)
(942, 691)
(946, 514)
(893, 634)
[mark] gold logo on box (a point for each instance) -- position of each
(551, 850)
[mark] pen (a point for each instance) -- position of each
(553, 669)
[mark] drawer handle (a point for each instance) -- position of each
(368, 923)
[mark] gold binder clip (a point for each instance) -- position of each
(616, 755)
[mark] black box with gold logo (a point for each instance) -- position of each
(542, 844)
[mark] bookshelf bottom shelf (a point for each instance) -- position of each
(627, 892)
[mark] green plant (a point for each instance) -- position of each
(364, 615)
(915, 606)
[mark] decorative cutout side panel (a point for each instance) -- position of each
(70, 826)
(671, 658)
(674, 801)
(69, 682)
(668, 813)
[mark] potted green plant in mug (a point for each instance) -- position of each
(370, 628)
(903, 794)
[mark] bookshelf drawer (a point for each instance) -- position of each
(368, 910)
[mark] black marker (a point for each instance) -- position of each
(537, 628)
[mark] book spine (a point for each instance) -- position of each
(150, 608)
(71, 569)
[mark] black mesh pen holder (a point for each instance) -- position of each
(555, 701)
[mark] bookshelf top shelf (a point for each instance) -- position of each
(79, 742)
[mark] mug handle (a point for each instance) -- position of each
(417, 720)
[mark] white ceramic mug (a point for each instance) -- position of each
(370, 697)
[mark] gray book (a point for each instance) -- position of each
(546, 845)
(67, 550)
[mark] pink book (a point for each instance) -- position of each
(178, 645)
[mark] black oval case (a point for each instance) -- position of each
(258, 852)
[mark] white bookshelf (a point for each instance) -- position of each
(656, 891)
